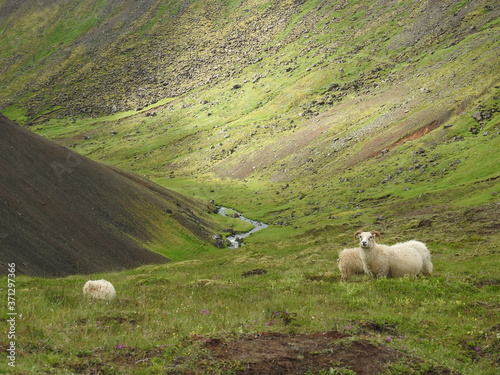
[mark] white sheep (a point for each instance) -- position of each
(375, 257)
(100, 289)
(350, 263)
(410, 246)
(407, 258)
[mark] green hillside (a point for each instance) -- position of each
(318, 118)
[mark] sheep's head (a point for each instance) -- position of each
(367, 239)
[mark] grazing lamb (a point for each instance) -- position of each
(101, 289)
(407, 258)
(350, 263)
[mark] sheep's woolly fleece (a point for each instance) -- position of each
(408, 258)
(101, 289)
(350, 263)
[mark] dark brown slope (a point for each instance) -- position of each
(63, 214)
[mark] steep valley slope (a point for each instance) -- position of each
(63, 214)
(305, 114)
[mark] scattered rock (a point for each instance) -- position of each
(218, 241)
(425, 223)
(254, 272)
(473, 130)
(477, 116)
(420, 151)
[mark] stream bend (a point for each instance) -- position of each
(237, 239)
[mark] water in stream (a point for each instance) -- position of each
(237, 239)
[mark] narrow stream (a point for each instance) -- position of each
(237, 239)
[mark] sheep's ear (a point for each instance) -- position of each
(356, 235)
(376, 234)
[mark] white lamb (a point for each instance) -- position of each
(100, 289)
(407, 258)
(350, 263)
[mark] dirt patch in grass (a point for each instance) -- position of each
(294, 354)
(407, 130)
(273, 353)
(123, 359)
(264, 353)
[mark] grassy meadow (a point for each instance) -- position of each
(449, 319)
